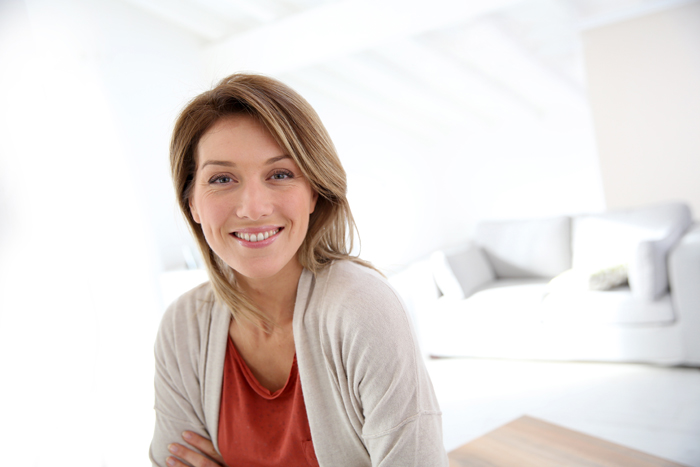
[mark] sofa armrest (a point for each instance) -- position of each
(684, 278)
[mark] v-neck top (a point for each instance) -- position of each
(260, 428)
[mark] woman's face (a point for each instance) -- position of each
(250, 198)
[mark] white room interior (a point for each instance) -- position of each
(444, 113)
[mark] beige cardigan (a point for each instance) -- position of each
(368, 395)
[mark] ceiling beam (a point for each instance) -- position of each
(258, 10)
(454, 84)
(350, 94)
(508, 70)
(336, 29)
(387, 90)
(190, 16)
(610, 13)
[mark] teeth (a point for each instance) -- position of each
(256, 237)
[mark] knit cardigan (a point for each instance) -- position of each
(368, 396)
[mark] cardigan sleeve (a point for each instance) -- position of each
(386, 379)
(178, 396)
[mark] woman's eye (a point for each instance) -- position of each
(282, 175)
(220, 179)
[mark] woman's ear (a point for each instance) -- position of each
(314, 198)
(193, 211)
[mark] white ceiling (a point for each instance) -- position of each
(454, 62)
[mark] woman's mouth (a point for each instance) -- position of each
(254, 238)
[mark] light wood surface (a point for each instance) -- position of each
(529, 442)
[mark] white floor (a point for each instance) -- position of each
(649, 408)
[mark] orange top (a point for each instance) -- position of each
(258, 428)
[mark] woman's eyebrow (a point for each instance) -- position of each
(222, 163)
(272, 160)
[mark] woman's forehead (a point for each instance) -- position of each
(238, 139)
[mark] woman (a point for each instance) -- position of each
(295, 352)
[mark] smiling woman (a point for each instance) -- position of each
(295, 352)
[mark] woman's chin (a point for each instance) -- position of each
(263, 270)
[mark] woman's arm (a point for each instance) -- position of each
(194, 458)
(178, 382)
(368, 394)
(402, 418)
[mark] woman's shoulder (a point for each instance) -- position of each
(193, 304)
(350, 287)
(190, 317)
(355, 309)
(348, 277)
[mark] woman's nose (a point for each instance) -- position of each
(255, 201)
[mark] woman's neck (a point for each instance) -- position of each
(275, 296)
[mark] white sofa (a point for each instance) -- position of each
(621, 286)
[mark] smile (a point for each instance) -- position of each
(254, 238)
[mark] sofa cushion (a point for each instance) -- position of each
(527, 248)
(459, 273)
(617, 306)
(505, 302)
(640, 238)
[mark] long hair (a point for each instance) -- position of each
(297, 129)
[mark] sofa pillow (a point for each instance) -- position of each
(578, 280)
(527, 248)
(639, 237)
(459, 273)
(445, 279)
(608, 278)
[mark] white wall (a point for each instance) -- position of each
(644, 83)
(87, 95)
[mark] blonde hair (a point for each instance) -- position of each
(297, 128)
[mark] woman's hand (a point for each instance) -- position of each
(194, 458)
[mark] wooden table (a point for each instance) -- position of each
(529, 442)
